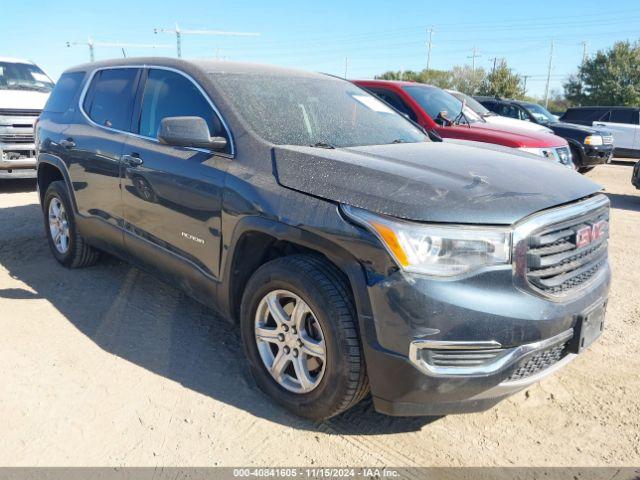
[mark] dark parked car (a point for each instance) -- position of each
(356, 254)
(589, 146)
(623, 122)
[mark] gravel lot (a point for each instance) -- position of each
(109, 366)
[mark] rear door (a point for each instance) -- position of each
(173, 195)
(623, 123)
(93, 146)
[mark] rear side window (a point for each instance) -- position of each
(64, 92)
(169, 94)
(624, 116)
(587, 115)
(109, 100)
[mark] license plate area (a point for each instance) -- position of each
(589, 327)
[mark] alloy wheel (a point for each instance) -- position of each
(290, 341)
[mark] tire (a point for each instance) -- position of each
(575, 156)
(585, 169)
(77, 253)
(342, 381)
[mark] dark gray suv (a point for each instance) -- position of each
(357, 255)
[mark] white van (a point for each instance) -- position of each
(24, 89)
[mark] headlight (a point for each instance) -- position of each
(437, 250)
(542, 152)
(594, 140)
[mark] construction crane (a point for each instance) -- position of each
(92, 44)
(179, 34)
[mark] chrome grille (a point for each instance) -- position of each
(16, 138)
(15, 112)
(539, 362)
(607, 139)
(559, 260)
(559, 251)
(461, 358)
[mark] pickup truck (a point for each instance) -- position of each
(24, 90)
(439, 111)
(589, 146)
(355, 254)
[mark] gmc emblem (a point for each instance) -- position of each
(591, 233)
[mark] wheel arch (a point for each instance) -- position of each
(257, 240)
(51, 169)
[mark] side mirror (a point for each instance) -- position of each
(443, 119)
(188, 132)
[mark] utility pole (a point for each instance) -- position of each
(546, 89)
(524, 86)
(92, 45)
(179, 33)
(585, 55)
(495, 59)
(473, 57)
(430, 32)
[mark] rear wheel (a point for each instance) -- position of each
(300, 336)
(67, 245)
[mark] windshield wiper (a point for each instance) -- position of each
(322, 145)
(398, 140)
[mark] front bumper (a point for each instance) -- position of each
(596, 155)
(15, 157)
(486, 310)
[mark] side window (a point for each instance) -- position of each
(507, 110)
(604, 117)
(109, 100)
(524, 115)
(623, 116)
(396, 102)
(169, 94)
(64, 92)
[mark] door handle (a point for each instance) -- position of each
(67, 143)
(599, 124)
(132, 160)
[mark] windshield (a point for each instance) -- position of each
(472, 103)
(434, 101)
(541, 114)
(324, 112)
(23, 76)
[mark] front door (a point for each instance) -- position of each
(173, 195)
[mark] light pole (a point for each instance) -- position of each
(179, 33)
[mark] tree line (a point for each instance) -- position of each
(610, 77)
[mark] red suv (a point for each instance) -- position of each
(435, 109)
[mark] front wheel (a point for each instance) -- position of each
(300, 335)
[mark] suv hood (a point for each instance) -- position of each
(23, 99)
(521, 137)
(564, 128)
(432, 182)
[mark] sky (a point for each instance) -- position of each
(364, 37)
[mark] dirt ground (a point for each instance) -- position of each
(108, 366)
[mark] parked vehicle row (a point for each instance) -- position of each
(24, 89)
(589, 146)
(436, 110)
(623, 122)
(357, 253)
